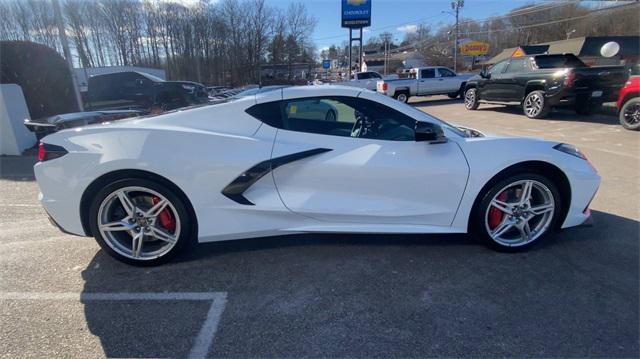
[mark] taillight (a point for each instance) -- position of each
(48, 151)
(385, 86)
(568, 80)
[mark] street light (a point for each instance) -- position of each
(569, 33)
(455, 6)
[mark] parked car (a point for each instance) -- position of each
(629, 104)
(248, 168)
(367, 80)
(540, 82)
(214, 90)
(428, 81)
(138, 90)
(48, 125)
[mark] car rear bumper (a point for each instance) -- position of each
(58, 196)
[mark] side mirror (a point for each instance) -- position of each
(429, 132)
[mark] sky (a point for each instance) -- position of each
(396, 16)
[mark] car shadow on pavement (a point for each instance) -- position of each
(575, 294)
(558, 114)
(426, 101)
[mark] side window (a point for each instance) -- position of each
(364, 76)
(379, 122)
(498, 68)
(268, 113)
(375, 75)
(446, 72)
(326, 116)
(516, 65)
(427, 73)
(337, 116)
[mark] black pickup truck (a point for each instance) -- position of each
(540, 82)
(133, 90)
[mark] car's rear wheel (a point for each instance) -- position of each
(630, 114)
(471, 101)
(402, 96)
(140, 222)
(517, 211)
(535, 105)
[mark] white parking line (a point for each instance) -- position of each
(203, 342)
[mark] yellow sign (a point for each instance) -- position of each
(474, 48)
(518, 53)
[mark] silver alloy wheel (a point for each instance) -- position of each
(128, 220)
(402, 97)
(632, 114)
(527, 210)
(533, 104)
(469, 98)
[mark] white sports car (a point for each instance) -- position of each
(263, 165)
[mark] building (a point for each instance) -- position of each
(82, 75)
(586, 48)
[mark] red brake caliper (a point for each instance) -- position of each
(495, 215)
(166, 219)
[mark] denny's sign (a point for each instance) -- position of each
(474, 48)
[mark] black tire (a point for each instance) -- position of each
(402, 96)
(187, 225)
(542, 109)
(630, 114)
(471, 100)
(479, 215)
(453, 95)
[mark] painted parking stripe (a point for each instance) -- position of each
(203, 342)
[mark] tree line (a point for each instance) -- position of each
(223, 42)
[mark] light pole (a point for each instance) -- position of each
(569, 33)
(456, 5)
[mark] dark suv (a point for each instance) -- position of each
(141, 91)
(540, 82)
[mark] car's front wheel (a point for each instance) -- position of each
(140, 222)
(517, 211)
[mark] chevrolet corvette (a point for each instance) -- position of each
(276, 163)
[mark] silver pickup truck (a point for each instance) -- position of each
(425, 81)
(367, 80)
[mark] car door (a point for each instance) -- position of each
(506, 82)
(488, 87)
(448, 81)
(366, 167)
(428, 83)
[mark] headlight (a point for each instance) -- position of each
(570, 149)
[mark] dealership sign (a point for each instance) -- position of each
(356, 13)
(474, 48)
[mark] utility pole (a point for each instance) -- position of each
(57, 13)
(456, 5)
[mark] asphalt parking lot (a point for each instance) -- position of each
(574, 295)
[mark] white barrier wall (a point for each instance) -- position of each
(14, 136)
